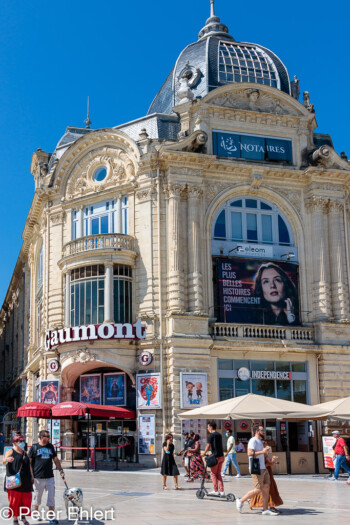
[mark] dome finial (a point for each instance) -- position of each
(87, 121)
(212, 8)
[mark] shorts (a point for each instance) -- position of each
(44, 484)
(262, 479)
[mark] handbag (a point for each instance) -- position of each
(14, 482)
(211, 460)
(255, 468)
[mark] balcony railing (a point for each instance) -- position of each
(112, 241)
(241, 331)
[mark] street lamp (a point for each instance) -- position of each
(288, 256)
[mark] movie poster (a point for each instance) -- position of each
(90, 389)
(193, 389)
(49, 392)
(148, 391)
(147, 434)
(115, 389)
(328, 452)
(257, 291)
(56, 432)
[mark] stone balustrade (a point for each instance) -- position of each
(241, 331)
(112, 241)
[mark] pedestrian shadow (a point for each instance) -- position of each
(299, 512)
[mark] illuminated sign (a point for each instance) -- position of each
(252, 147)
(270, 374)
(91, 332)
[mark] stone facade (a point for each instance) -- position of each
(175, 190)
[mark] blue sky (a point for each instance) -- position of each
(55, 53)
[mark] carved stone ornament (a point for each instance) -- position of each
(174, 190)
(120, 170)
(83, 356)
(293, 196)
(316, 203)
(145, 194)
(58, 218)
(212, 190)
(254, 100)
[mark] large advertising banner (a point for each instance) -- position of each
(257, 291)
(328, 452)
(49, 392)
(147, 434)
(115, 389)
(148, 391)
(193, 389)
(90, 389)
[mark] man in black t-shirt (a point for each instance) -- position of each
(215, 444)
(41, 456)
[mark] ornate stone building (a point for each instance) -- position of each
(182, 219)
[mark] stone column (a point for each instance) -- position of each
(67, 300)
(119, 221)
(321, 304)
(175, 282)
(195, 281)
(80, 225)
(108, 296)
(339, 290)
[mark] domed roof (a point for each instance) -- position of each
(216, 60)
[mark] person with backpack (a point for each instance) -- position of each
(41, 456)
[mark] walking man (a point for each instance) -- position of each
(231, 454)
(341, 454)
(261, 481)
(41, 456)
(185, 461)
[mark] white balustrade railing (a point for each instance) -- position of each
(116, 241)
(241, 331)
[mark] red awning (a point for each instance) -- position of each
(35, 409)
(73, 408)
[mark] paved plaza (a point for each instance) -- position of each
(137, 497)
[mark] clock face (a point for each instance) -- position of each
(243, 374)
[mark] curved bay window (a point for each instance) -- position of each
(122, 288)
(254, 265)
(87, 295)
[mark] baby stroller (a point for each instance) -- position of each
(202, 491)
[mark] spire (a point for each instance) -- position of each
(87, 121)
(213, 25)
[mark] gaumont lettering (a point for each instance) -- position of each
(270, 374)
(91, 332)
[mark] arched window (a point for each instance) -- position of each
(252, 221)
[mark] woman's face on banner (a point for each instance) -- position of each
(272, 285)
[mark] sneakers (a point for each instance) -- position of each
(222, 494)
(269, 512)
(239, 505)
(238, 476)
(213, 493)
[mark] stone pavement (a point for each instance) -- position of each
(137, 498)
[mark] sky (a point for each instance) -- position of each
(53, 54)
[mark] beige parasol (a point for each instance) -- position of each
(335, 409)
(252, 406)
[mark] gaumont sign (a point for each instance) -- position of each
(91, 332)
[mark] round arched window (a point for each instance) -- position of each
(253, 221)
(100, 174)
